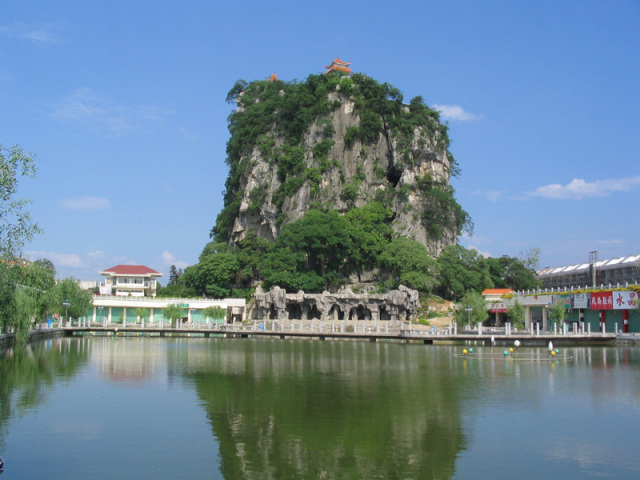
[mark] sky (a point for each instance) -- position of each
(123, 105)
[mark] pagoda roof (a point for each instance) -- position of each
(338, 65)
(131, 270)
(273, 77)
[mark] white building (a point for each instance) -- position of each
(130, 281)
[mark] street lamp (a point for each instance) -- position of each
(66, 306)
(469, 310)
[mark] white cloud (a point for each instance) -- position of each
(41, 36)
(578, 189)
(456, 113)
(103, 116)
(169, 259)
(60, 260)
(491, 195)
(85, 203)
(484, 253)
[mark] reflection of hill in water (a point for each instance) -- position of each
(28, 373)
(328, 410)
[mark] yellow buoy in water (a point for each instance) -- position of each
(465, 351)
(553, 353)
(511, 350)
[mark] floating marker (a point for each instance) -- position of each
(471, 350)
(506, 353)
(465, 351)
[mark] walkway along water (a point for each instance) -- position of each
(342, 330)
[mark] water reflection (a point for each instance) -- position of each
(28, 374)
(125, 360)
(328, 410)
(244, 408)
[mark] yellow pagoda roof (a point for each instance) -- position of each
(272, 78)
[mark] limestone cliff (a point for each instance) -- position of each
(336, 143)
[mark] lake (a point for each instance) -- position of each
(155, 408)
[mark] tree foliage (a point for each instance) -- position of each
(510, 272)
(173, 312)
(557, 313)
(16, 226)
(216, 313)
(23, 286)
(515, 313)
(479, 312)
(407, 262)
(68, 291)
(461, 270)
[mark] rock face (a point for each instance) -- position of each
(276, 304)
(341, 170)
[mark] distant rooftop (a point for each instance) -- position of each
(130, 270)
(600, 265)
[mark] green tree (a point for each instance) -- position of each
(68, 291)
(321, 243)
(22, 290)
(46, 264)
(530, 258)
(141, 313)
(407, 262)
(215, 313)
(173, 312)
(479, 311)
(214, 275)
(174, 275)
(460, 270)
(371, 231)
(509, 272)
(16, 226)
(515, 313)
(557, 313)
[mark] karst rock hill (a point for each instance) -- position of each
(337, 142)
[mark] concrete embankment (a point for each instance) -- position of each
(6, 340)
(628, 339)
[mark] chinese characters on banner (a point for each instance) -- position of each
(602, 301)
(625, 300)
(620, 300)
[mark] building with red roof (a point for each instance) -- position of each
(130, 281)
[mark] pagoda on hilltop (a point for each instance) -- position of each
(272, 78)
(338, 66)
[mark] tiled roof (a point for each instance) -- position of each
(497, 291)
(130, 270)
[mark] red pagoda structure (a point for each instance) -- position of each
(338, 66)
(272, 78)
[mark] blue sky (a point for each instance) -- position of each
(123, 103)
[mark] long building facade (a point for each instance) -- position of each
(615, 271)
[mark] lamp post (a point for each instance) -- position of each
(469, 310)
(66, 306)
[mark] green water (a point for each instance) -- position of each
(151, 408)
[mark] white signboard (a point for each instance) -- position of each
(580, 300)
(623, 300)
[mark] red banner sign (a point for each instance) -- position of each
(602, 301)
